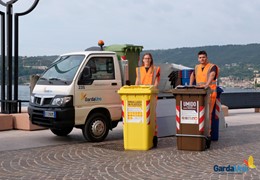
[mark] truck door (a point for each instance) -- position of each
(100, 88)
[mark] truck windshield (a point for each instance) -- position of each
(62, 71)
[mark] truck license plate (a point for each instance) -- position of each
(51, 114)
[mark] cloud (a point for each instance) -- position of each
(56, 27)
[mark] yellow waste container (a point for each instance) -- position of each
(139, 113)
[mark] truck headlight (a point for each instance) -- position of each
(60, 101)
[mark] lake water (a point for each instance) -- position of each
(24, 92)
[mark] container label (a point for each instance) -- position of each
(189, 112)
(134, 112)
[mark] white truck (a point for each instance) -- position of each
(80, 90)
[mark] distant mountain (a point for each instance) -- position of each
(220, 55)
(239, 61)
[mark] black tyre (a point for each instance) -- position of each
(61, 132)
(96, 128)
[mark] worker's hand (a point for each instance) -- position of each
(204, 86)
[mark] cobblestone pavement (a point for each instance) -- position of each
(40, 155)
(108, 160)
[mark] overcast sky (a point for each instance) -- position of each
(60, 26)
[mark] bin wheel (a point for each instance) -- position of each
(155, 141)
(208, 142)
(114, 124)
(96, 128)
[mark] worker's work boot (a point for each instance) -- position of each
(208, 142)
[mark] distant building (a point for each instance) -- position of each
(257, 80)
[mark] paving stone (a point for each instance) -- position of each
(107, 160)
(78, 159)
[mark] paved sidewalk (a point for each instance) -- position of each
(41, 155)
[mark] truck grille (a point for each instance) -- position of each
(42, 100)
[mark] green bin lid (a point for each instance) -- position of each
(124, 48)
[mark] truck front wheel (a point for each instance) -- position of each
(61, 132)
(96, 128)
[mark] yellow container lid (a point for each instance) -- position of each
(138, 89)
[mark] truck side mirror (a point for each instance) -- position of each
(85, 77)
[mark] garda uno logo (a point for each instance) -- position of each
(231, 169)
(83, 96)
(242, 168)
(250, 162)
(93, 99)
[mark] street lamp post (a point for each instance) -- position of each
(9, 105)
(3, 59)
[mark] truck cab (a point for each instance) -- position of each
(79, 90)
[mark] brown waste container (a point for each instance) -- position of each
(192, 117)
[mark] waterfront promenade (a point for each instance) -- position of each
(41, 155)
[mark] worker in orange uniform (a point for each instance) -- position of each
(148, 74)
(206, 75)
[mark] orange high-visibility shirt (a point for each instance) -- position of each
(202, 76)
(147, 78)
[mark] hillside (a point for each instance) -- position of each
(238, 61)
(221, 55)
